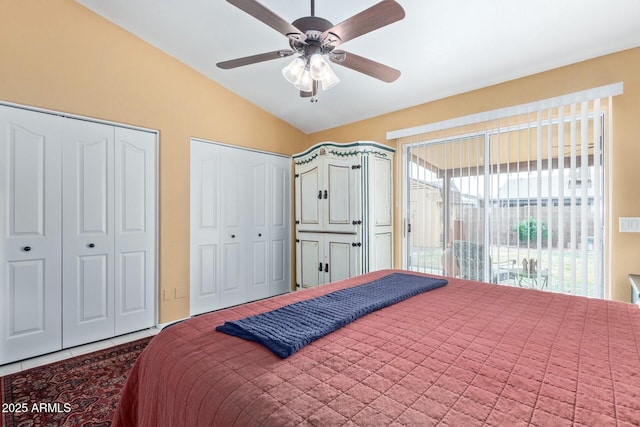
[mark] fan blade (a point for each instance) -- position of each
(247, 60)
(377, 16)
(263, 14)
(365, 66)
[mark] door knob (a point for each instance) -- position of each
(26, 248)
(92, 245)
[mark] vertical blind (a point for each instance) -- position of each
(514, 196)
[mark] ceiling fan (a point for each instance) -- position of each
(313, 38)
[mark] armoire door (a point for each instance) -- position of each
(327, 196)
(30, 234)
(341, 253)
(88, 237)
(310, 259)
(326, 257)
(205, 227)
(341, 195)
(135, 230)
(309, 197)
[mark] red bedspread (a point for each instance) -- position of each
(468, 353)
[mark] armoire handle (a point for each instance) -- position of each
(233, 236)
(320, 267)
(325, 194)
(92, 245)
(26, 248)
(326, 268)
(320, 194)
(259, 234)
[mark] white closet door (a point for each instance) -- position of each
(135, 230)
(236, 206)
(280, 226)
(205, 227)
(258, 203)
(88, 238)
(30, 233)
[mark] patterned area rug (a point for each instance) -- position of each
(81, 391)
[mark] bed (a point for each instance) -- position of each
(467, 353)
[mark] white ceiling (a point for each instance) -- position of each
(442, 47)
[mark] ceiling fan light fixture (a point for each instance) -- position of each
(320, 70)
(294, 71)
(305, 84)
(330, 80)
(318, 67)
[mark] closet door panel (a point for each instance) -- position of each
(235, 232)
(30, 233)
(88, 239)
(280, 226)
(135, 228)
(258, 201)
(233, 289)
(205, 227)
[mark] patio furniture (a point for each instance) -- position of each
(470, 258)
(520, 275)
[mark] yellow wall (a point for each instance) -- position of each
(624, 250)
(56, 54)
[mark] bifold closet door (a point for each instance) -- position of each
(280, 225)
(235, 229)
(135, 229)
(257, 201)
(205, 227)
(88, 237)
(269, 206)
(240, 226)
(30, 233)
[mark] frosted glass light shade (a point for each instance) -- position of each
(293, 72)
(330, 80)
(305, 83)
(320, 70)
(318, 67)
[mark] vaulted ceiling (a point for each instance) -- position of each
(442, 47)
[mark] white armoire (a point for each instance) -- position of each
(77, 231)
(240, 225)
(343, 211)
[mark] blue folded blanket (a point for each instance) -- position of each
(287, 329)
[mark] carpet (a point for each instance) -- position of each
(80, 391)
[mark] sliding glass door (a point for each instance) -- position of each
(516, 201)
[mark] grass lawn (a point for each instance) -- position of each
(569, 271)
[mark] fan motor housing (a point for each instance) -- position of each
(313, 27)
(312, 23)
